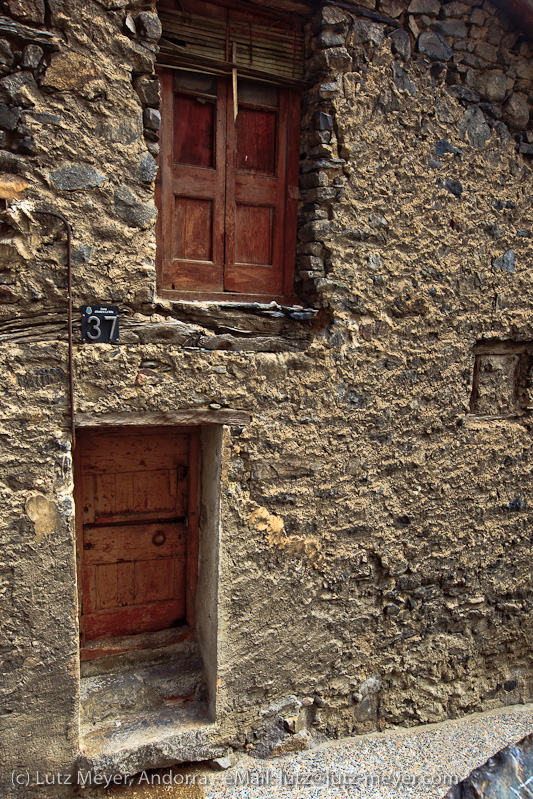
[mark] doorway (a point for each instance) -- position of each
(137, 521)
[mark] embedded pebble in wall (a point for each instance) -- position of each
(76, 177)
(434, 46)
(401, 44)
(147, 169)
(131, 210)
(506, 262)
(444, 147)
(475, 126)
(492, 86)
(82, 254)
(516, 112)
(9, 117)
(454, 187)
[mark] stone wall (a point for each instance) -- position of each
(374, 554)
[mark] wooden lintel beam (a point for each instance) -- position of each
(191, 416)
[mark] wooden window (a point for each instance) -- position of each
(229, 160)
(137, 530)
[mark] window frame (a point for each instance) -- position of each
(285, 238)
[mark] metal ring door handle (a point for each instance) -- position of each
(159, 538)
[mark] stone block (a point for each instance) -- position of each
(131, 210)
(322, 121)
(148, 25)
(147, 169)
(363, 32)
(69, 72)
(27, 146)
(27, 10)
(464, 94)
(6, 53)
(9, 117)
(76, 177)
(454, 9)
(434, 46)
(149, 90)
(486, 51)
(429, 7)
(401, 43)
(32, 55)
(515, 111)
(392, 8)
(332, 18)
(452, 27)
(492, 86)
(19, 89)
(151, 119)
(330, 38)
(292, 743)
(338, 59)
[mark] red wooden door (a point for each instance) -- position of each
(228, 186)
(134, 494)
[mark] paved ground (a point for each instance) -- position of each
(415, 763)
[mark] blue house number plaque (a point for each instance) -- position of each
(99, 323)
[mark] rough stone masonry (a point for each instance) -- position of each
(374, 550)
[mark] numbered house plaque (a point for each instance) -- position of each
(99, 323)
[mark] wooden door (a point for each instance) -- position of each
(137, 522)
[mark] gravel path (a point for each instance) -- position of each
(415, 763)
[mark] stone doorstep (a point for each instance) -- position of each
(145, 709)
(157, 740)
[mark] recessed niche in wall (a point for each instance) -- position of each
(501, 385)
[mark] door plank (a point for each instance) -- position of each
(111, 544)
(127, 454)
(106, 586)
(154, 580)
(128, 621)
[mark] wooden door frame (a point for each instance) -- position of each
(106, 646)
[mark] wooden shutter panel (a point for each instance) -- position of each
(193, 184)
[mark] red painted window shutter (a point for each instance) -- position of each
(227, 188)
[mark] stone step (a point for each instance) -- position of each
(122, 689)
